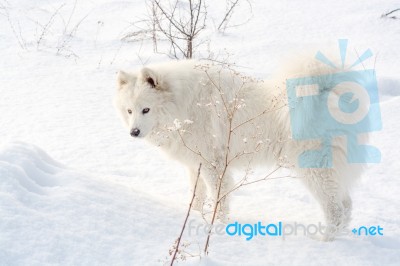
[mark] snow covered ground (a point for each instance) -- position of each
(75, 189)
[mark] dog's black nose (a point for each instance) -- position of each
(135, 132)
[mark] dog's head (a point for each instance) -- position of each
(140, 100)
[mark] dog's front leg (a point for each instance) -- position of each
(219, 184)
(201, 189)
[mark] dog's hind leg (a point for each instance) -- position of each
(348, 206)
(333, 198)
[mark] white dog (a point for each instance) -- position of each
(198, 112)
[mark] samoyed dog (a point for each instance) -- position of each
(201, 112)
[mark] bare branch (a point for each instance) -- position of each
(194, 151)
(391, 12)
(228, 14)
(47, 25)
(18, 36)
(171, 19)
(186, 218)
(243, 182)
(257, 116)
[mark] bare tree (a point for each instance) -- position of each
(179, 24)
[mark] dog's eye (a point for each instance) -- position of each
(145, 110)
(129, 111)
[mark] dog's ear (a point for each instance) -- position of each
(124, 78)
(151, 78)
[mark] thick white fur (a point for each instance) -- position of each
(188, 90)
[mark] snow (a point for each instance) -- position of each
(76, 189)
